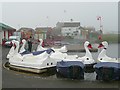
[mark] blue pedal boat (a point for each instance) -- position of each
(107, 71)
(70, 69)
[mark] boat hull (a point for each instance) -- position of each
(30, 69)
(72, 70)
(107, 71)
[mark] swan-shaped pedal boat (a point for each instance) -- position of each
(107, 68)
(36, 62)
(87, 59)
(73, 68)
(40, 48)
(58, 54)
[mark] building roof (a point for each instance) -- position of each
(5, 27)
(43, 29)
(89, 28)
(26, 29)
(68, 24)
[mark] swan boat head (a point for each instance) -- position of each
(87, 59)
(104, 44)
(39, 47)
(22, 49)
(102, 57)
(11, 52)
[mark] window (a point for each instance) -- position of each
(67, 34)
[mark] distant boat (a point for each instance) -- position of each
(70, 69)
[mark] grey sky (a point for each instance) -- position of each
(34, 14)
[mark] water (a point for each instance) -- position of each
(14, 79)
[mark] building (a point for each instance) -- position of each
(56, 34)
(70, 29)
(5, 32)
(26, 32)
(86, 32)
(89, 33)
(43, 32)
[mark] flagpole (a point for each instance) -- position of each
(101, 27)
(100, 19)
(100, 24)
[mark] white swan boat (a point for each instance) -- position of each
(87, 59)
(107, 68)
(76, 66)
(40, 48)
(34, 62)
(58, 54)
(102, 57)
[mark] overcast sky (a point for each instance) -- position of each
(36, 14)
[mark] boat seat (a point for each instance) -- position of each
(25, 52)
(39, 52)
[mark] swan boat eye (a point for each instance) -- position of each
(87, 58)
(100, 58)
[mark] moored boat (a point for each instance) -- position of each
(87, 59)
(107, 68)
(70, 69)
(33, 62)
(107, 71)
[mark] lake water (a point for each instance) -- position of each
(14, 79)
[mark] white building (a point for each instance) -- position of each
(70, 31)
(69, 28)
